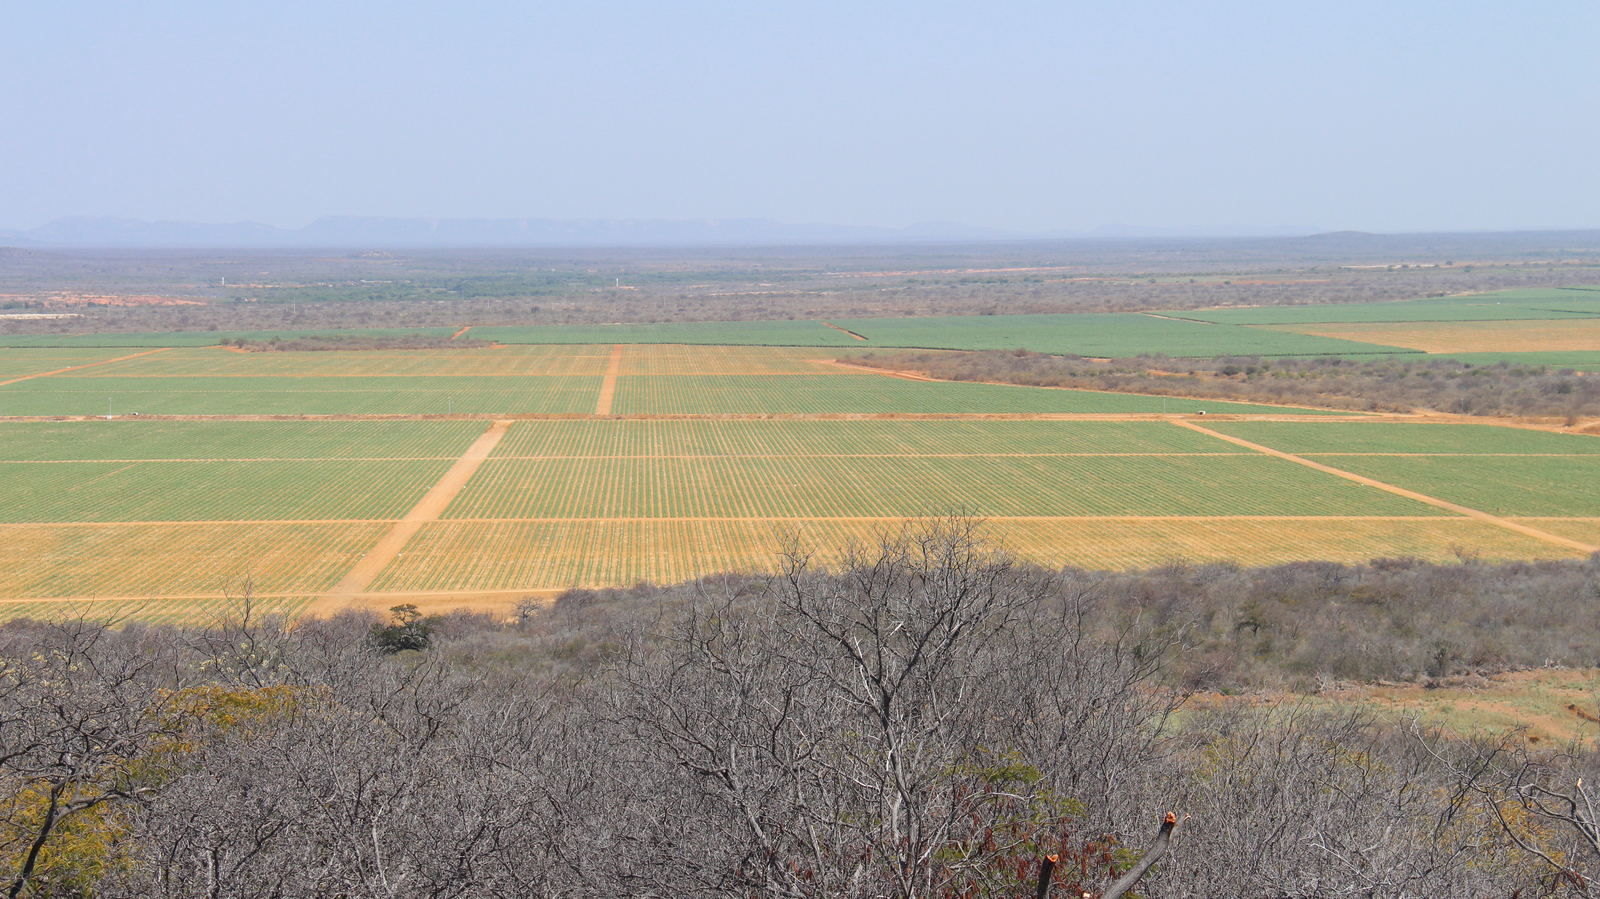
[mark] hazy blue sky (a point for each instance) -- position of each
(1393, 116)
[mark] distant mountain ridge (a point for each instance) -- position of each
(371, 231)
(362, 231)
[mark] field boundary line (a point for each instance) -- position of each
(213, 522)
(46, 374)
(713, 416)
(548, 592)
(608, 387)
(758, 519)
(428, 508)
(1479, 514)
(301, 459)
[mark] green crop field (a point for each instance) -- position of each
(203, 338)
(862, 486)
(1310, 438)
(127, 438)
(1501, 470)
(1529, 486)
(1102, 334)
(105, 512)
(212, 491)
(1510, 305)
(756, 333)
(1557, 361)
(23, 363)
(1087, 334)
(66, 395)
(219, 362)
(660, 439)
(874, 393)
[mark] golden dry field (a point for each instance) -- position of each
(562, 466)
(1538, 336)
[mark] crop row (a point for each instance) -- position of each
(1114, 334)
(894, 487)
(127, 438)
(201, 338)
(725, 360)
(21, 363)
(212, 491)
(1507, 305)
(739, 333)
(177, 559)
(1404, 437)
(1104, 334)
(532, 555)
(1501, 485)
(871, 437)
(543, 555)
(502, 361)
(176, 612)
(294, 396)
(1584, 530)
(1119, 545)
(871, 394)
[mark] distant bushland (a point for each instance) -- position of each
(1396, 384)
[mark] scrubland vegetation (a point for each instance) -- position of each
(1399, 384)
(926, 719)
(319, 343)
(282, 289)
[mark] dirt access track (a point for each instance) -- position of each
(429, 508)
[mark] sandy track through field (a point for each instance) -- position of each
(843, 331)
(608, 387)
(46, 374)
(429, 508)
(1401, 491)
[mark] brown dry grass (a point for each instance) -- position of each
(1557, 706)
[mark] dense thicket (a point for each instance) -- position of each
(928, 719)
(1305, 624)
(1392, 384)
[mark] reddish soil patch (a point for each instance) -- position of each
(91, 299)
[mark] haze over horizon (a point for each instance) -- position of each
(1027, 118)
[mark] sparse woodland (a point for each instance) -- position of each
(928, 719)
(1394, 384)
(266, 290)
